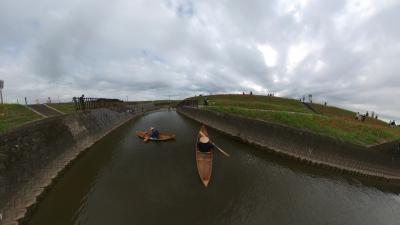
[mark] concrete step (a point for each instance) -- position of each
(308, 105)
(44, 110)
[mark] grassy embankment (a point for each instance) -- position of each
(13, 115)
(70, 107)
(331, 121)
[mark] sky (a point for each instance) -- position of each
(343, 52)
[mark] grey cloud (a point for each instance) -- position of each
(154, 49)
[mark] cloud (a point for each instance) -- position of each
(270, 55)
(343, 52)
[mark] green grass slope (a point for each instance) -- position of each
(12, 115)
(64, 107)
(332, 121)
(343, 114)
(258, 102)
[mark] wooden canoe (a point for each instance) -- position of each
(204, 161)
(163, 136)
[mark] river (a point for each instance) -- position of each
(122, 180)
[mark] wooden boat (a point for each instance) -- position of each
(163, 136)
(204, 161)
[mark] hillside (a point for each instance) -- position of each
(13, 115)
(327, 120)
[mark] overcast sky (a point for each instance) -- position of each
(344, 52)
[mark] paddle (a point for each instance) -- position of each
(222, 151)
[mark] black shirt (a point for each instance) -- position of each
(205, 147)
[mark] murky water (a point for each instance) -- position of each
(122, 180)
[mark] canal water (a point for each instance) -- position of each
(122, 180)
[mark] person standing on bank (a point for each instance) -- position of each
(205, 100)
(82, 102)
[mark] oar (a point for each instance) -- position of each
(222, 151)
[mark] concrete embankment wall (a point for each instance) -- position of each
(390, 148)
(303, 145)
(33, 155)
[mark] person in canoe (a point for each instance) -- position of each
(204, 143)
(153, 133)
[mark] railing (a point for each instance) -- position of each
(82, 103)
(189, 102)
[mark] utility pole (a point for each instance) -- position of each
(1, 90)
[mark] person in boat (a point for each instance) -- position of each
(153, 133)
(204, 143)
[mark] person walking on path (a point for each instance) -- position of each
(82, 102)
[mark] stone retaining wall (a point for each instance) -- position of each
(303, 145)
(33, 155)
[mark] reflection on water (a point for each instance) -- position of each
(122, 180)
